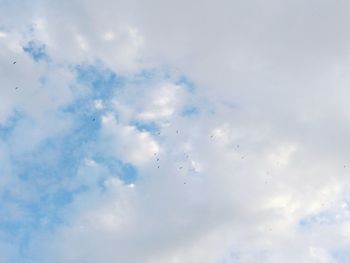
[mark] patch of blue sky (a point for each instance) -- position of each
(190, 111)
(129, 173)
(341, 255)
(20, 229)
(144, 76)
(36, 217)
(47, 167)
(322, 218)
(102, 84)
(7, 128)
(150, 127)
(60, 157)
(125, 171)
(102, 81)
(62, 197)
(36, 50)
(187, 83)
(51, 161)
(87, 129)
(12, 231)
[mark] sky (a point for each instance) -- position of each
(174, 131)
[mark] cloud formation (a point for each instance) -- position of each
(174, 131)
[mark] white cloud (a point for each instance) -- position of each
(128, 143)
(99, 104)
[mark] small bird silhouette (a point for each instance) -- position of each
(16, 88)
(14, 62)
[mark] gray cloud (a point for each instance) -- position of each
(270, 77)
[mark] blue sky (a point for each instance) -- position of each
(174, 131)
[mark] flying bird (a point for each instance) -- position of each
(16, 88)
(14, 62)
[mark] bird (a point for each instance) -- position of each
(93, 119)
(184, 182)
(180, 167)
(14, 62)
(177, 131)
(157, 159)
(16, 88)
(158, 166)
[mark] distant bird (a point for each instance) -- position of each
(158, 133)
(16, 88)
(177, 131)
(157, 159)
(184, 182)
(14, 62)
(155, 154)
(158, 166)
(93, 119)
(180, 167)
(211, 136)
